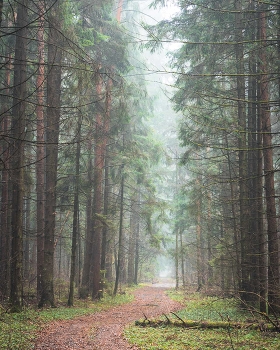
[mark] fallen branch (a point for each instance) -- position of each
(179, 318)
(206, 324)
(168, 320)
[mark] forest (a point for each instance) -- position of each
(133, 143)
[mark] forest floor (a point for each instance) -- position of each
(104, 330)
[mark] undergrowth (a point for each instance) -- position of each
(200, 308)
(18, 331)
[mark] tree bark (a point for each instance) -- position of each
(252, 182)
(273, 249)
(1, 12)
(137, 241)
(40, 157)
(5, 188)
(17, 157)
(52, 134)
(131, 240)
(199, 239)
(260, 221)
(85, 288)
(75, 215)
(120, 241)
(98, 194)
(105, 150)
(242, 146)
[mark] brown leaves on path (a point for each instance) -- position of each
(103, 330)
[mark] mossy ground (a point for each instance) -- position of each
(201, 308)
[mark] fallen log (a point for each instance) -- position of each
(262, 326)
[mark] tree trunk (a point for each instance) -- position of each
(137, 241)
(262, 235)
(1, 12)
(177, 259)
(17, 157)
(131, 240)
(253, 164)
(88, 241)
(182, 258)
(199, 239)
(99, 158)
(273, 249)
(242, 146)
(27, 229)
(52, 134)
(120, 242)
(105, 150)
(40, 155)
(236, 236)
(75, 216)
(104, 245)
(5, 188)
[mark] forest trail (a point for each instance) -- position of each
(103, 330)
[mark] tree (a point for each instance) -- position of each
(17, 156)
(273, 248)
(40, 161)
(52, 134)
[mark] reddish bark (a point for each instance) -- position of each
(273, 249)
(52, 135)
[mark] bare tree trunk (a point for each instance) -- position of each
(273, 249)
(40, 160)
(1, 12)
(262, 235)
(236, 235)
(17, 156)
(182, 258)
(75, 216)
(120, 242)
(5, 188)
(242, 146)
(199, 240)
(52, 134)
(132, 241)
(209, 243)
(176, 259)
(88, 241)
(253, 164)
(105, 150)
(97, 196)
(137, 241)
(105, 230)
(27, 229)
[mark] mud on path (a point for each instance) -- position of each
(103, 330)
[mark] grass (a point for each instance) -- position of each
(18, 331)
(203, 308)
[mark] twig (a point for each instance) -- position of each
(168, 320)
(179, 318)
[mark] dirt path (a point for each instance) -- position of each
(103, 330)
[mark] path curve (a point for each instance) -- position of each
(103, 330)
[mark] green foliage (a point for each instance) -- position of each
(18, 331)
(201, 308)
(169, 338)
(210, 308)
